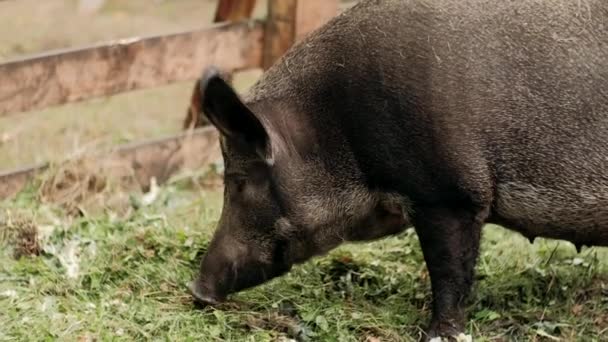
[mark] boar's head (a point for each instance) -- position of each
(278, 209)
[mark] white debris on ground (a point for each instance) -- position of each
(67, 252)
(48, 304)
(459, 338)
(68, 256)
(116, 304)
(9, 294)
(285, 339)
(149, 197)
(45, 232)
(464, 338)
(92, 248)
(577, 261)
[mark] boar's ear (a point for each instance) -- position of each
(224, 108)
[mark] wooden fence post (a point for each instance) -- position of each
(289, 21)
(227, 10)
(280, 30)
(234, 10)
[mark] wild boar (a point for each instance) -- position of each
(443, 115)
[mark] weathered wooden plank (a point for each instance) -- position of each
(11, 182)
(73, 75)
(163, 158)
(159, 158)
(234, 10)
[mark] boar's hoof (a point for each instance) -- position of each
(201, 299)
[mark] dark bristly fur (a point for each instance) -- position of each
(441, 114)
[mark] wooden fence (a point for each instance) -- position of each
(234, 43)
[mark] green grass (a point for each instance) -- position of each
(125, 276)
(120, 271)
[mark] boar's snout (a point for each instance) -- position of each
(216, 277)
(230, 266)
(207, 290)
(202, 294)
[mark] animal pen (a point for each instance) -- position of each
(235, 43)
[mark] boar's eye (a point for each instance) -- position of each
(239, 184)
(238, 181)
(250, 184)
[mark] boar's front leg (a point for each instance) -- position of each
(449, 237)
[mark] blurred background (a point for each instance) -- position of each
(31, 26)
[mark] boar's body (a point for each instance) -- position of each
(468, 111)
(501, 102)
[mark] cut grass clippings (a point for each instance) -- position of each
(108, 276)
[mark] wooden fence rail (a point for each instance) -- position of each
(158, 158)
(80, 74)
(66, 76)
